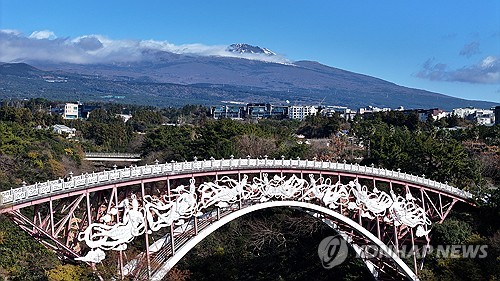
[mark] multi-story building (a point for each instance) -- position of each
(343, 111)
(266, 110)
(279, 111)
(258, 110)
(484, 117)
(301, 112)
(70, 111)
(464, 112)
(227, 111)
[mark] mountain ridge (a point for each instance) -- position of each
(211, 80)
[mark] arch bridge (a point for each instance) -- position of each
(174, 206)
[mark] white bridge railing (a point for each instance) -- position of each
(48, 188)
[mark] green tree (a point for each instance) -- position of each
(69, 272)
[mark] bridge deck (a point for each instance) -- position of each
(112, 157)
(41, 192)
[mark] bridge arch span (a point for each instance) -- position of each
(106, 210)
(335, 216)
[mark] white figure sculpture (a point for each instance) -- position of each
(116, 237)
(280, 188)
(94, 255)
(183, 204)
(223, 192)
(406, 212)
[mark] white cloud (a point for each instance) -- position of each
(94, 48)
(43, 34)
(489, 62)
(10, 31)
(487, 71)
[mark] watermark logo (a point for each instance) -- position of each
(332, 251)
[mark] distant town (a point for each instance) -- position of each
(486, 117)
(479, 116)
(255, 111)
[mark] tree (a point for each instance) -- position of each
(318, 126)
(254, 146)
(69, 272)
(451, 232)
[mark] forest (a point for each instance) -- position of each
(271, 245)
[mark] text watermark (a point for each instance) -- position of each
(333, 250)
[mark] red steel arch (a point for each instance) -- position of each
(88, 205)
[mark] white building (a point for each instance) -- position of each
(61, 129)
(124, 117)
(484, 117)
(70, 111)
(438, 114)
(464, 112)
(343, 111)
(373, 109)
(479, 116)
(301, 112)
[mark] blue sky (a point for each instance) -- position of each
(450, 47)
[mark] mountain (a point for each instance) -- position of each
(19, 69)
(249, 49)
(168, 79)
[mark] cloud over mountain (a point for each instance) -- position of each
(487, 71)
(45, 46)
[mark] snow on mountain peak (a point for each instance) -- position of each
(249, 49)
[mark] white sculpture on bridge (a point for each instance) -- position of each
(222, 193)
(405, 211)
(116, 237)
(372, 203)
(279, 187)
(183, 204)
(332, 195)
(174, 209)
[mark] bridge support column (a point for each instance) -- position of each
(51, 210)
(89, 213)
(415, 267)
(146, 234)
(120, 261)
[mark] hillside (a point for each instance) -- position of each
(167, 79)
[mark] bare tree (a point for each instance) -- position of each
(255, 146)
